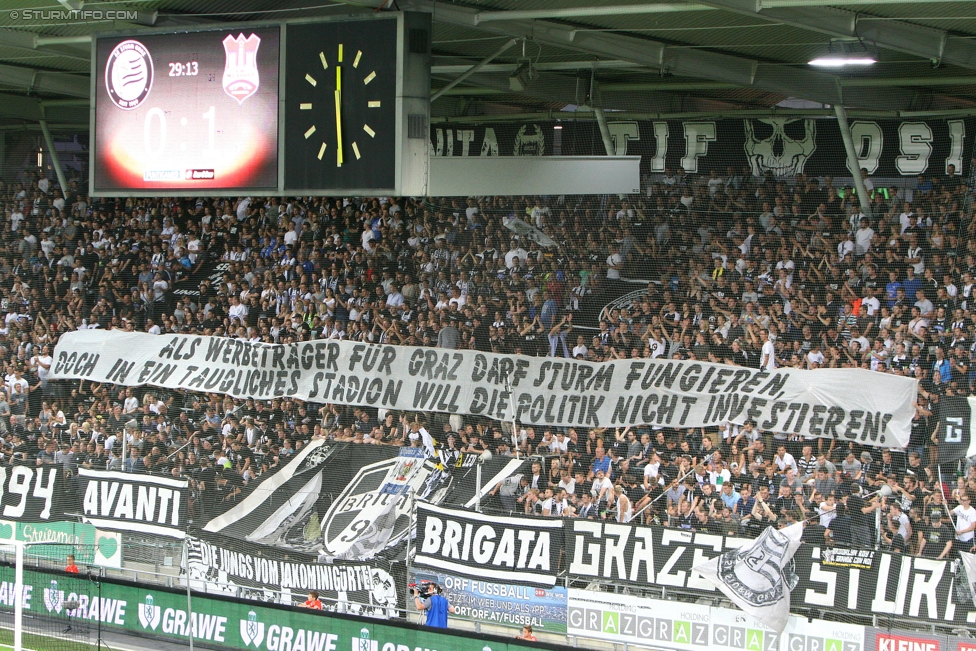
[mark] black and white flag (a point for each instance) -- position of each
(955, 432)
(969, 566)
(758, 578)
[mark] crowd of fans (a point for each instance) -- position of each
(737, 269)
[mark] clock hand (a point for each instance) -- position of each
(338, 112)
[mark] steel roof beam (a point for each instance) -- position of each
(780, 79)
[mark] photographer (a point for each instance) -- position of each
(428, 598)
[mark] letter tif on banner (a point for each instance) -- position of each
(854, 405)
(758, 578)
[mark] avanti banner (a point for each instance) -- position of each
(848, 404)
(134, 502)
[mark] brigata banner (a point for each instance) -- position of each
(695, 627)
(221, 622)
(505, 549)
(851, 404)
(219, 565)
(882, 584)
(123, 501)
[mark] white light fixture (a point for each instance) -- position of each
(843, 52)
(838, 62)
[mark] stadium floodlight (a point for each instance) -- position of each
(523, 76)
(845, 52)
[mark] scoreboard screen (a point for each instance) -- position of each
(187, 111)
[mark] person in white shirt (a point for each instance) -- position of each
(784, 460)
(827, 511)
(237, 310)
(614, 263)
(863, 238)
(965, 519)
(768, 354)
(580, 350)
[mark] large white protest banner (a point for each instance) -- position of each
(851, 404)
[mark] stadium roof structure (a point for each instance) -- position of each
(633, 57)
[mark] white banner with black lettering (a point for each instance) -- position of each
(121, 501)
(511, 550)
(850, 404)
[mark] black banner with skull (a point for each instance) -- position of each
(783, 146)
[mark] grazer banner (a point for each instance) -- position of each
(506, 549)
(121, 501)
(218, 565)
(886, 585)
(32, 494)
(783, 146)
(849, 404)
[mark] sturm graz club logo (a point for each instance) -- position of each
(129, 74)
(758, 574)
(149, 613)
(252, 631)
(53, 598)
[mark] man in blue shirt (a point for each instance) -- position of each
(891, 289)
(600, 462)
(435, 605)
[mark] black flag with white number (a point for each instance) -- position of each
(955, 429)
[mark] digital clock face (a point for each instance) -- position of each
(196, 110)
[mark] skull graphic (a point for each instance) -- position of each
(781, 153)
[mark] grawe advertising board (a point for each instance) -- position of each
(695, 627)
(225, 623)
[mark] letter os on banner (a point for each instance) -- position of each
(848, 404)
(120, 501)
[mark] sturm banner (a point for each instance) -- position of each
(121, 501)
(849, 404)
(782, 146)
(506, 549)
(218, 565)
(887, 585)
(955, 433)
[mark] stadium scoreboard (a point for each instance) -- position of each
(338, 106)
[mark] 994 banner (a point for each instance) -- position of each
(196, 110)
